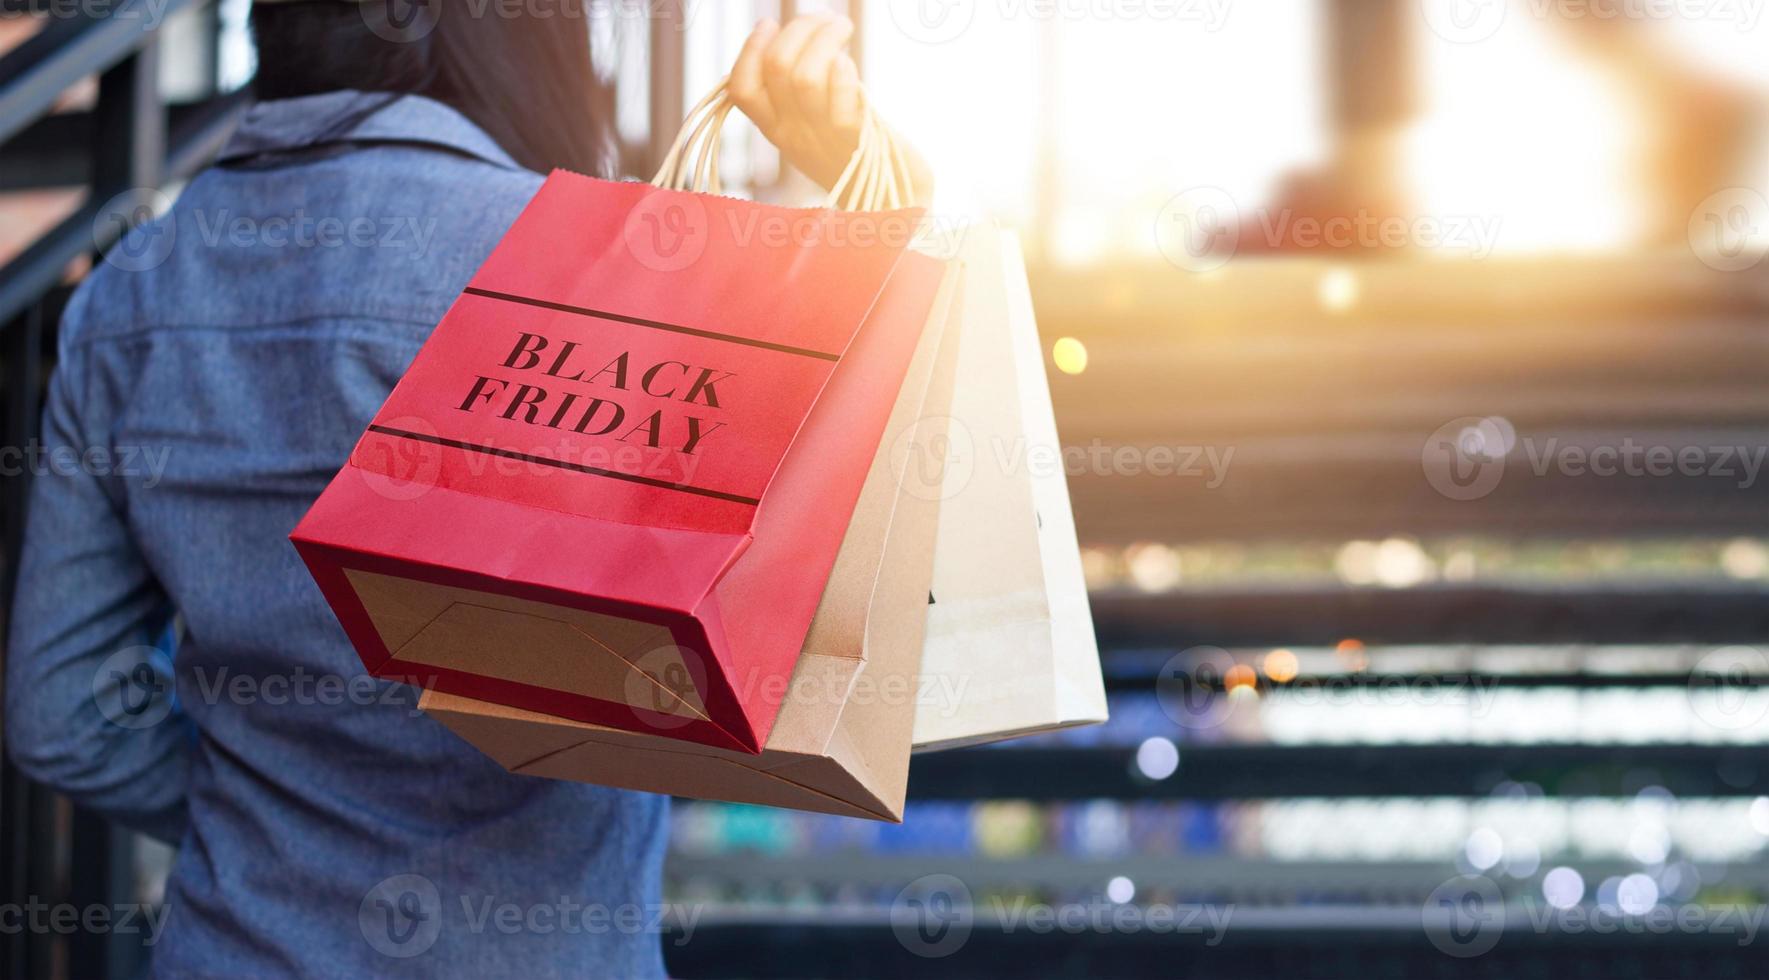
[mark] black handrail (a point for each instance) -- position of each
(53, 852)
(39, 267)
(70, 48)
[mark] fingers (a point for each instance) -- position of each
(813, 72)
(780, 61)
(846, 103)
(802, 90)
(747, 91)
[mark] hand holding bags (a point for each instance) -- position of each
(574, 501)
(840, 743)
(607, 608)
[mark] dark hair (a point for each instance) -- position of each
(526, 80)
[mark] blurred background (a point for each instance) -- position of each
(1439, 647)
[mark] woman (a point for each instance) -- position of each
(233, 351)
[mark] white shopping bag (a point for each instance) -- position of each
(1010, 648)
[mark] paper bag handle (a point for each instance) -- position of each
(877, 175)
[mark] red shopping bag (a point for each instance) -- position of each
(575, 501)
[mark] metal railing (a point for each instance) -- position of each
(122, 150)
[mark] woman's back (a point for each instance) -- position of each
(227, 357)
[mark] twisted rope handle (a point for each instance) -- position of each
(877, 175)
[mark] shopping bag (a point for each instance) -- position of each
(840, 743)
(1010, 644)
(573, 500)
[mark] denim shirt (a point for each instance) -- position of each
(215, 371)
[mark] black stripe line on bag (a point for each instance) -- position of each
(638, 321)
(474, 447)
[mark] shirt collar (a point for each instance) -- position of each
(349, 116)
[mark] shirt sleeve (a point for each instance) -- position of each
(90, 704)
